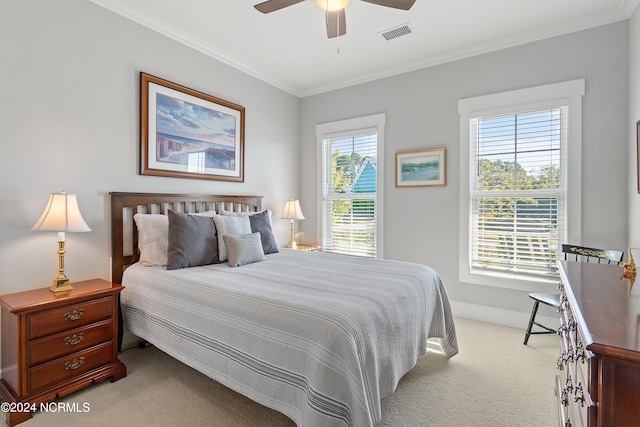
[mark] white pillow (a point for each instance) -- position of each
(153, 237)
(230, 225)
(243, 249)
(246, 213)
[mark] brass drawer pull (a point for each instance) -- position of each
(74, 315)
(579, 355)
(578, 395)
(74, 364)
(564, 397)
(569, 384)
(74, 339)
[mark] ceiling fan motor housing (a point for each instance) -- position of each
(332, 5)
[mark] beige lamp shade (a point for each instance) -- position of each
(61, 214)
(292, 210)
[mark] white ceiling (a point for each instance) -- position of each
(289, 48)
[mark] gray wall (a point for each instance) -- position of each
(69, 111)
(421, 224)
(634, 116)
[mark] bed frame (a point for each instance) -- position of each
(124, 234)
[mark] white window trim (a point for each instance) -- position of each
(324, 130)
(541, 97)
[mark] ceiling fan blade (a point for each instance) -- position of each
(336, 24)
(273, 5)
(396, 4)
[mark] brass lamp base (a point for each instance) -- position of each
(292, 243)
(61, 285)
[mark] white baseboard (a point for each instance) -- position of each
(514, 319)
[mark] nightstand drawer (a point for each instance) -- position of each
(48, 348)
(64, 368)
(71, 316)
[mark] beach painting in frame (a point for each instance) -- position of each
(421, 168)
(188, 134)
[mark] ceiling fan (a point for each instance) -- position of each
(336, 21)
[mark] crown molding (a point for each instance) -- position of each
(182, 37)
(624, 11)
(537, 34)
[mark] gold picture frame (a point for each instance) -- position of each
(188, 134)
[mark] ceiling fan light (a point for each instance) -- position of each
(332, 5)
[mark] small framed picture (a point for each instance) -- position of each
(189, 134)
(421, 168)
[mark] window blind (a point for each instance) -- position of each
(349, 204)
(518, 191)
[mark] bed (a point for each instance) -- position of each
(318, 337)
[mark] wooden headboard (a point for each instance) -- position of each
(124, 234)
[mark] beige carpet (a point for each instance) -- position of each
(494, 381)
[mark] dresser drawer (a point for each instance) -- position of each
(64, 368)
(67, 342)
(69, 317)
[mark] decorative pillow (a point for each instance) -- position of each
(261, 223)
(229, 225)
(232, 213)
(152, 238)
(192, 241)
(243, 249)
(153, 231)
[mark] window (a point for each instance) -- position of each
(521, 158)
(351, 197)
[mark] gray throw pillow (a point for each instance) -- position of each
(261, 223)
(229, 225)
(243, 248)
(192, 241)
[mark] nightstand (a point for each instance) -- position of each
(309, 248)
(55, 344)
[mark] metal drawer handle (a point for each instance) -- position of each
(74, 315)
(568, 355)
(569, 384)
(74, 364)
(74, 339)
(564, 397)
(579, 355)
(578, 395)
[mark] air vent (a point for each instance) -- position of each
(401, 30)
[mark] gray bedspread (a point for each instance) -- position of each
(319, 337)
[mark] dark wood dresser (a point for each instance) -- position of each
(598, 382)
(55, 344)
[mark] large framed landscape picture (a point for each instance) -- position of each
(421, 168)
(188, 134)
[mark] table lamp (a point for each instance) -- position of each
(61, 215)
(292, 211)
